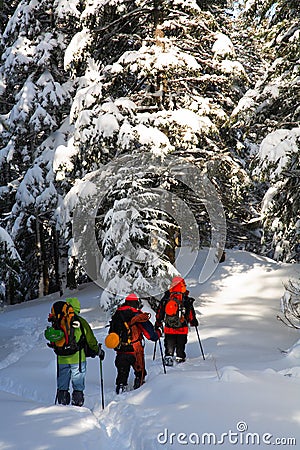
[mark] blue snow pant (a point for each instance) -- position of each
(71, 372)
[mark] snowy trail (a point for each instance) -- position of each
(41, 427)
(245, 380)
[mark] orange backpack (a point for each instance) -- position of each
(63, 317)
(175, 311)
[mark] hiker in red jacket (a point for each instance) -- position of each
(129, 324)
(176, 311)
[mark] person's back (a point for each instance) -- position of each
(120, 324)
(131, 324)
(72, 367)
(177, 312)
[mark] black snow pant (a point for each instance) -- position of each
(123, 363)
(175, 342)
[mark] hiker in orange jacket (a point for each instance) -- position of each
(131, 325)
(177, 312)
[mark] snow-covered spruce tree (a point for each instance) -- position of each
(6, 11)
(279, 167)
(131, 228)
(268, 116)
(135, 237)
(154, 78)
(170, 92)
(35, 101)
(10, 268)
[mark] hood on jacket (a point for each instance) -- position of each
(73, 301)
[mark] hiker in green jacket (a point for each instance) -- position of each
(73, 367)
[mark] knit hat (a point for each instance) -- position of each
(73, 301)
(178, 285)
(131, 298)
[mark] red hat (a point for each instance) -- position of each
(177, 280)
(178, 285)
(131, 298)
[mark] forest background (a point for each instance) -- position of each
(119, 94)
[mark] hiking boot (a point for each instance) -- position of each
(63, 397)
(77, 398)
(120, 388)
(137, 382)
(168, 360)
(179, 360)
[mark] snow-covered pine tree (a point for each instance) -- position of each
(159, 77)
(10, 268)
(268, 121)
(135, 237)
(162, 95)
(35, 100)
(6, 11)
(161, 91)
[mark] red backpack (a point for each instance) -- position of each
(175, 311)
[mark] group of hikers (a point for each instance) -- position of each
(72, 339)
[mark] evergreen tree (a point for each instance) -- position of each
(6, 11)
(170, 94)
(268, 117)
(87, 83)
(35, 102)
(134, 236)
(10, 269)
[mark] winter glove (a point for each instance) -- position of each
(101, 352)
(194, 323)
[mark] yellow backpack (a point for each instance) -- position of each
(63, 318)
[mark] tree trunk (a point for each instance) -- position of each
(56, 262)
(62, 262)
(39, 256)
(71, 274)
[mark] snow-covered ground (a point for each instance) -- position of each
(244, 395)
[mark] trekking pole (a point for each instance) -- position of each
(57, 372)
(154, 351)
(201, 348)
(102, 388)
(162, 357)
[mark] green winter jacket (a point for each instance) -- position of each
(91, 341)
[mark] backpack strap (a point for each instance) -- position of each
(126, 324)
(82, 340)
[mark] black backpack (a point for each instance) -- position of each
(121, 326)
